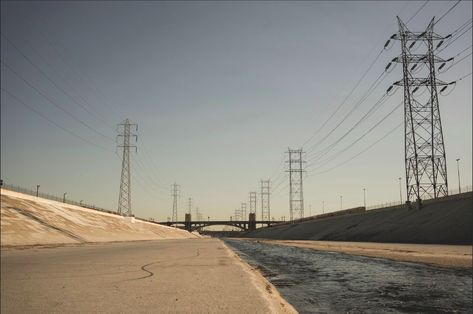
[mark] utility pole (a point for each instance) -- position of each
(425, 159)
(125, 140)
(175, 194)
(364, 197)
(458, 173)
(252, 202)
(265, 200)
(341, 202)
(323, 207)
(64, 197)
(37, 190)
(296, 195)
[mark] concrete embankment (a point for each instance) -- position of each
(29, 220)
(447, 220)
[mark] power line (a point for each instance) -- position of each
(376, 106)
(448, 11)
(97, 115)
(417, 12)
(361, 152)
(464, 76)
(52, 82)
(356, 85)
(373, 86)
(458, 61)
(462, 30)
(345, 99)
(53, 122)
(334, 156)
(53, 102)
(86, 81)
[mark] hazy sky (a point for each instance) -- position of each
(219, 90)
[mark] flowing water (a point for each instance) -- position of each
(329, 282)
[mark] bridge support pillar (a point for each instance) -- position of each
(252, 221)
(188, 222)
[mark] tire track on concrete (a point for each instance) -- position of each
(150, 273)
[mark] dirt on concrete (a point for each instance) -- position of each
(444, 221)
(27, 220)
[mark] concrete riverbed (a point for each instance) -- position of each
(198, 275)
(317, 281)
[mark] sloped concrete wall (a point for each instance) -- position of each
(29, 220)
(445, 221)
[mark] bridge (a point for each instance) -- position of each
(244, 225)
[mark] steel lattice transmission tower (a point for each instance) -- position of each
(243, 212)
(252, 202)
(189, 205)
(425, 161)
(175, 195)
(126, 138)
(237, 214)
(265, 203)
(296, 195)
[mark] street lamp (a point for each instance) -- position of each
(364, 197)
(64, 197)
(341, 202)
(323, 207)
(458, 172)
(37, 190)
(400, 189)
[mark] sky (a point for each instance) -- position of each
(220, 91)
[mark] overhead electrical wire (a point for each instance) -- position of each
(60, 88)
(363, 151)
(356, 85)
(31, 108)
(448, 11)
(54, 103)
(51, 81)
(371, 110)
(96, 114)
(417, 12)
(344, 100)
(334, 156)
(86, 81)
(361, 101)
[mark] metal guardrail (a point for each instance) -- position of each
(19, 189)
(451, 194)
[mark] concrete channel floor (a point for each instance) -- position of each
(163, 276)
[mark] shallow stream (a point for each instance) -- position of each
(329, 282)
